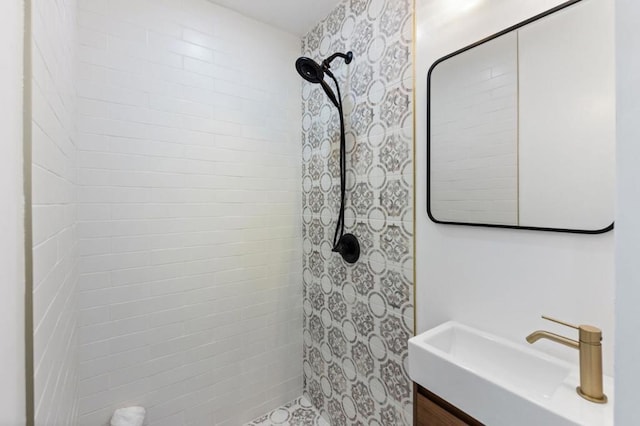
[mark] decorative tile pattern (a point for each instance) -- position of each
(362, 198)
(393, 17)
(364, 71)
(393, 197)
(395, 107)
(396, 289)
(357, 318)
(361, 158)
(393, 61)
(335, 19)
(299, 412)
(395, 243)
(395, 153)
(362, 118)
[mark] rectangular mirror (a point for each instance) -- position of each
(521, 125)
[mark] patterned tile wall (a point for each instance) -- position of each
(357, 318)
(299, 412)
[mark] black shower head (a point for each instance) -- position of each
(314, 73)
(310, 70)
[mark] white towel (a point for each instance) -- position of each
(130, 416)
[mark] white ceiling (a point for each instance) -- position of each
(294, 16)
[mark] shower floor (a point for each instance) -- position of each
(298, 412)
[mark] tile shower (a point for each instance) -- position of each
(357, 318)
(183, 168)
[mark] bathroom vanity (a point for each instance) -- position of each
(431, 410)
(497, 382)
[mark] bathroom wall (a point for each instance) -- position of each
(358, 317)
(12, 352)
(54, 187)
(627, 370)
(501, 280)
(189, 213)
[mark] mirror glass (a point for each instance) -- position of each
(522, 125)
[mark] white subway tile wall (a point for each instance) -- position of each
(54, 186)
(189, 214)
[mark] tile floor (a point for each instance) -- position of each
(298, 412)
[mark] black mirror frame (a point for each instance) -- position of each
(457, 52)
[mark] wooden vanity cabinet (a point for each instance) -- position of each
(431, 410)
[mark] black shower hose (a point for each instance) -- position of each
(343, 167)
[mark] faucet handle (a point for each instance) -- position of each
(588, 333)
(577, 327)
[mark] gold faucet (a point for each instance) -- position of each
(590, 357)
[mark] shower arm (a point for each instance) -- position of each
(326, 64)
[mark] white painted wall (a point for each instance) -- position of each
(12, 354)
(54, 171)
(627, 369)
(501, 280)
(190, 213)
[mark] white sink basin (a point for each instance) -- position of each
(502, 383)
